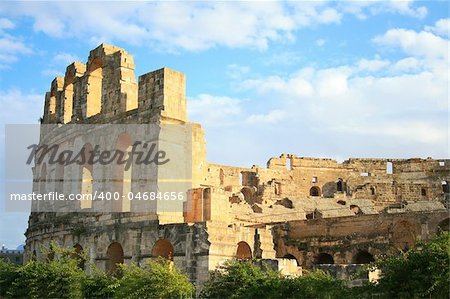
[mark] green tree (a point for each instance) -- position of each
(8, 274)
(55, 279)
(237, 279)
(422, 272)
(156, 279)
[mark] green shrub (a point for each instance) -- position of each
(156, 279)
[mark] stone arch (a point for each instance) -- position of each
(94, 89)
(314, 191)
(163, 248)
(43, 179)
(403, 237)
(324, 258)
(243, 252)
(444, 225)
(355, 209)
(52, 106)
(59, 178)
(291, 257)
(445, 187)
(87, 177)
(340, 185)
(248, 195)
(114, 256)
(206, 204)
(221, 176)
(68, 99)
(122, 173)
(363, 257)
(78, 254)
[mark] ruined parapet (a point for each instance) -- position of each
(163, 90)
(104, 87)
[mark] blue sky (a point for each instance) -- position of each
(323, 79)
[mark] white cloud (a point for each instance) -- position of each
(23, 108)
(320, 42)
(52, 73)
(441, 27)
(65, 58)
(272, 117)
(407, 64)
(363, 9)
(6, 24)
(372, 65)
(400, 103)
(214, 110)
(235, 71)
(283, 58)
(193, 26)
(11, 47)
(422, 44)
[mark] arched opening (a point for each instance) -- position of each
(423, 192)
(363, 257)
(248, 196)
(206, 204)
(243, 252)
(68, 100)
(78, 254)
(87, 178)
(289, 163)
(114, 254)
(59, 178)
(444, 225)
(94, 94)
(403, 237)
(163, 248)
(314, 191)
(291, 257)
(340, 185)
(372, 191)
(355, 209)
(52, 107)
(50, 254)
(34, 255)
(445, 187)
(43, 179)
(389, 168)
(123, 173)
(221, 176)
(324, 259)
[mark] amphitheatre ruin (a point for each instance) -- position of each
(295, 213)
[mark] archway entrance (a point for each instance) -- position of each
(363, 257)
(324, 258)
(114, 255)
(243, 252)
(314, 191)
(163, 248)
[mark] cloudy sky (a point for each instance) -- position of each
(323, 79)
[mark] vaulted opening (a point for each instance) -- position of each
(163, 248)
(94, 92)
(114, 256)
(363, 257)
(314, 191)
(243, 252)
(324, 259)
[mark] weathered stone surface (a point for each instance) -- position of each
(295, 209)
